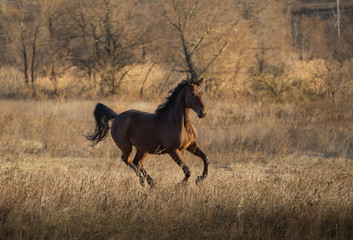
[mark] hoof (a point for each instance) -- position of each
(142, 182)
(150, 182)
(199, 179)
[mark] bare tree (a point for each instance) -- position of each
(272, 81)
(331, 74)
(197, 27)
(337, 11)
(57, 38)
(26, 26)
(106, 40)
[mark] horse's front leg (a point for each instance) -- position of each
(176, 155)
(195, 149)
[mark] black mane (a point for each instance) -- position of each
(173, 95)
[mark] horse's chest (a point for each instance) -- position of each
(178, 138)
(188, 135)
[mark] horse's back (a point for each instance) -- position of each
(136, 128)
(133, 121)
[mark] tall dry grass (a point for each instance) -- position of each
(278, 171)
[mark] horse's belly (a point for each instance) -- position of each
(151, 147)
(146, 141)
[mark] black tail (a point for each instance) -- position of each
(102, 114)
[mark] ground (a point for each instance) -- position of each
(277, 171)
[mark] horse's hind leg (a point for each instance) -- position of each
(126, 159)
(138, 162)
(147, 176)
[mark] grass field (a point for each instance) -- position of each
(277, 171)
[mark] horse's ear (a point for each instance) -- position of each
(191, 81)
(200, 81)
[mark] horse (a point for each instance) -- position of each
(166, 131)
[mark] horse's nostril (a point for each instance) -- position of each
(201, 113)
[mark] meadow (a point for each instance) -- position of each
(277, 171)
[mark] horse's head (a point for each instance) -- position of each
(194, 97)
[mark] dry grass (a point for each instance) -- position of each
(278, 171)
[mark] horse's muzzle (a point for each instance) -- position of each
(201, 113)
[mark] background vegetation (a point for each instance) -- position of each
(84, 48)
(278, 131)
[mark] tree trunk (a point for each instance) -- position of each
(34, 45)
(338, 21)
(25, 63)
(188, 59)
(52, 73)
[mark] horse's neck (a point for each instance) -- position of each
(179, 112)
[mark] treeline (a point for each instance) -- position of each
(93, 48)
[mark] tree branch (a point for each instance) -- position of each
(196, 46)
(225, 45)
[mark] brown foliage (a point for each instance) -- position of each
(98, 44)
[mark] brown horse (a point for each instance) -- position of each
(168, 130)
